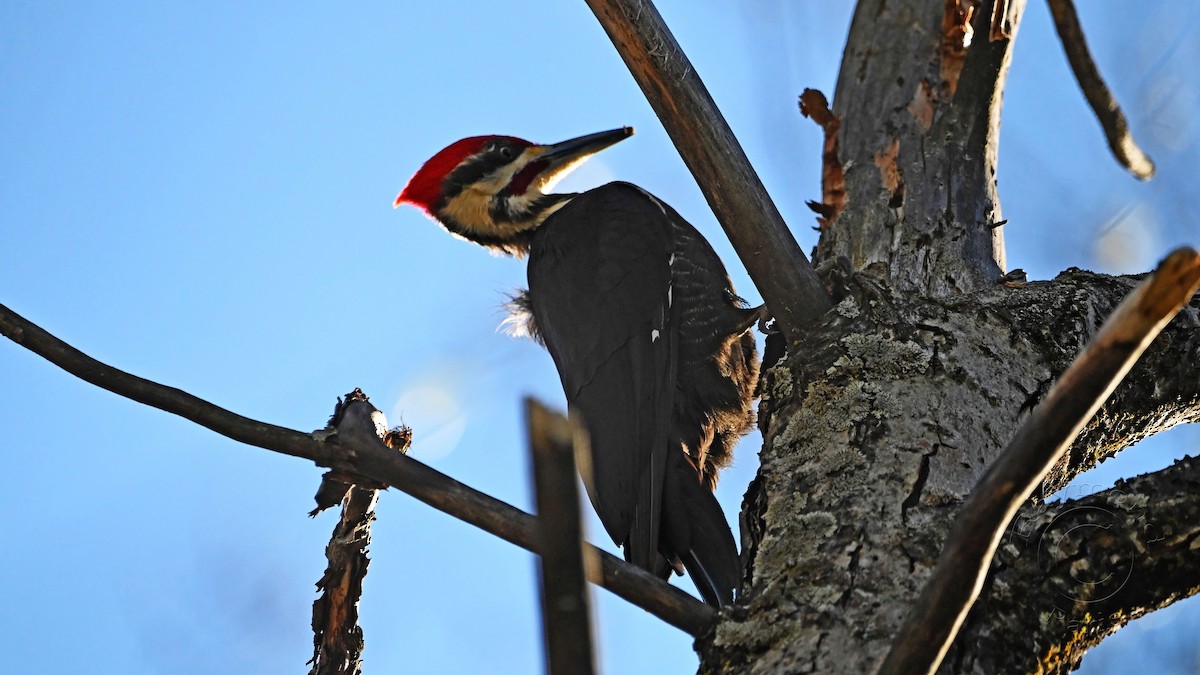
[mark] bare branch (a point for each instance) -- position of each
(1056, 319)
(782, 273)
(956, 580)
(372, 460)
(1072, 573)
(1155, 396)
(566, 616)
(241, 429)
(1104, 105)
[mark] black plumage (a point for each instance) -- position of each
(653, 347)
(655, 354)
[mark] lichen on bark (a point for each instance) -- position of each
(883, 419)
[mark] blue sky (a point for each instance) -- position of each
(201, 194)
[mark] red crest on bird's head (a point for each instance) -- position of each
(491, 190)
(425, 187)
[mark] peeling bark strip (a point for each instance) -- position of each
(1002, 26)
(923, 104)
(955, 583)
(889, 173)
(833, 181)
(956, 39)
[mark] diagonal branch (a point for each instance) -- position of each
(956, 580)
(1104, 105)
(1056, 319)
(1159, 393)
(782, 273)
(369, 458)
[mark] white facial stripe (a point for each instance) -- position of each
(551, 210)
(471, 208)
(519, 203)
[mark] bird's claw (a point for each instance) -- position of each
(767, 325)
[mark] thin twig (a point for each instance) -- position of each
(791, 288)
(372, 460)
(1104, 105)
(956, 580)
(566, 615)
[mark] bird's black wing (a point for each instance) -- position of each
(600, 293)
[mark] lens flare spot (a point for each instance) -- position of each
(1128, 242)
(436, 418)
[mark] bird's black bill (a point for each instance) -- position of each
(584, 146)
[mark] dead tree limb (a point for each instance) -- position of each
(566, 613)
(1072, 573)
(1099, 96)
(1060, 316)
(955, 582)
(785, 278)
(372, 460)
(337, 636)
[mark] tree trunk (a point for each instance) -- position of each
(885, 418)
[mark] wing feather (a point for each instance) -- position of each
(599, 285)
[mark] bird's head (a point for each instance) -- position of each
(492, 189)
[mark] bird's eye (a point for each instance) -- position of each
(506, 152)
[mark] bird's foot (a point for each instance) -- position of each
(767, 325)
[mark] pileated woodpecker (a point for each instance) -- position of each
(653, 347)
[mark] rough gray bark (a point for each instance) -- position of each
(1094, 563)
(887, 415)
(875, 436)
(920, 119)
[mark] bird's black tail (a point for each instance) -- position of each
(694, 531)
